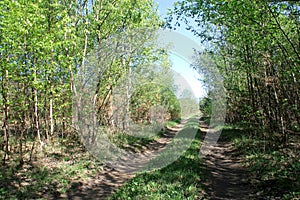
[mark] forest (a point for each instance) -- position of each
(83, 79)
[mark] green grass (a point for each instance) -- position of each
(172, 123)
(275, 169)
(180, 180)
(131, 143)
(135, 143)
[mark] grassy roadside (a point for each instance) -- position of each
(136, 144)
(171, 124)
(180, 180)
(54, 171)
(57, 168)
(275, 169)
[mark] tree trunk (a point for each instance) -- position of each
(36, 114)
(51, 116)
(5, 118)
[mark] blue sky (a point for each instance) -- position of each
(180, 65)
(164, 4)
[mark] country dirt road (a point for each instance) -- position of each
(226, 178)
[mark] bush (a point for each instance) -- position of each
(205, 106)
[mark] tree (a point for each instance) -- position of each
(253, 44)
(45, 47)
(37, 44)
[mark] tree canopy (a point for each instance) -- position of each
(255, 46)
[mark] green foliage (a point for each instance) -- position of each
(154, 91)
(150, 96)
(254, 46)
(205, 106)
(43, 46)
(169, 99)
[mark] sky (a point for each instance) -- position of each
(181, 65)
